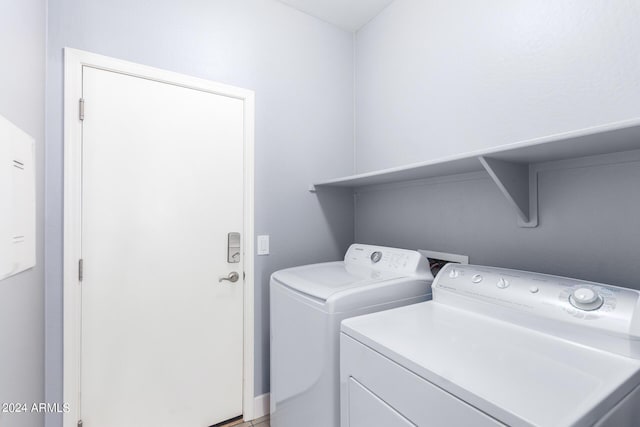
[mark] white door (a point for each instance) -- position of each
(162, 185)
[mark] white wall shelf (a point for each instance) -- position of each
(509, 165)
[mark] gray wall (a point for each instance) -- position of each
(302, 72)
(436, 78)
(589, 222)
(22, 77)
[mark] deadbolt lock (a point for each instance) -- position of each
(233, 248)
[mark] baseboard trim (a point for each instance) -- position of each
(261, 406)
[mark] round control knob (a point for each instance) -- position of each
(585, 299)
(376, 256)
(476, 278)
(454, 273)
(584, 295)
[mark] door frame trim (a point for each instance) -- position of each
(74, 61)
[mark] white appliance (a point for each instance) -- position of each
(496, 347)
(307, 305)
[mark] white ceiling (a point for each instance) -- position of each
(350, 15)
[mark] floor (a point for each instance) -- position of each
(260, 422)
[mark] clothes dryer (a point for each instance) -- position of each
(496, 347)
(307, 305)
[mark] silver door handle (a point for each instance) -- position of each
(232, 277)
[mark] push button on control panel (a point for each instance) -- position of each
(477, 278)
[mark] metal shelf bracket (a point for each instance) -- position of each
(518, 182)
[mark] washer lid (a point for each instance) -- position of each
(519, 376)
(325, 279)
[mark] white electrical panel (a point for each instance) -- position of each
(17, 200)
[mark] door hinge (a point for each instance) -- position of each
(81, 110)
(79, 423)
(80, 269)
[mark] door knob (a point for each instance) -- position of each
(232, 277)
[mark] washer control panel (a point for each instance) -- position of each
(556, 298)
(381, 258)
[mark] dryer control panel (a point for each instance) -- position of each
(551, 298)
(381, 258)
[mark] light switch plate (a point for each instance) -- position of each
(263, 244)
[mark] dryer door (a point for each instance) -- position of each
(367, 410)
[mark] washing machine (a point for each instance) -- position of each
(307, 305)
(496, 347)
